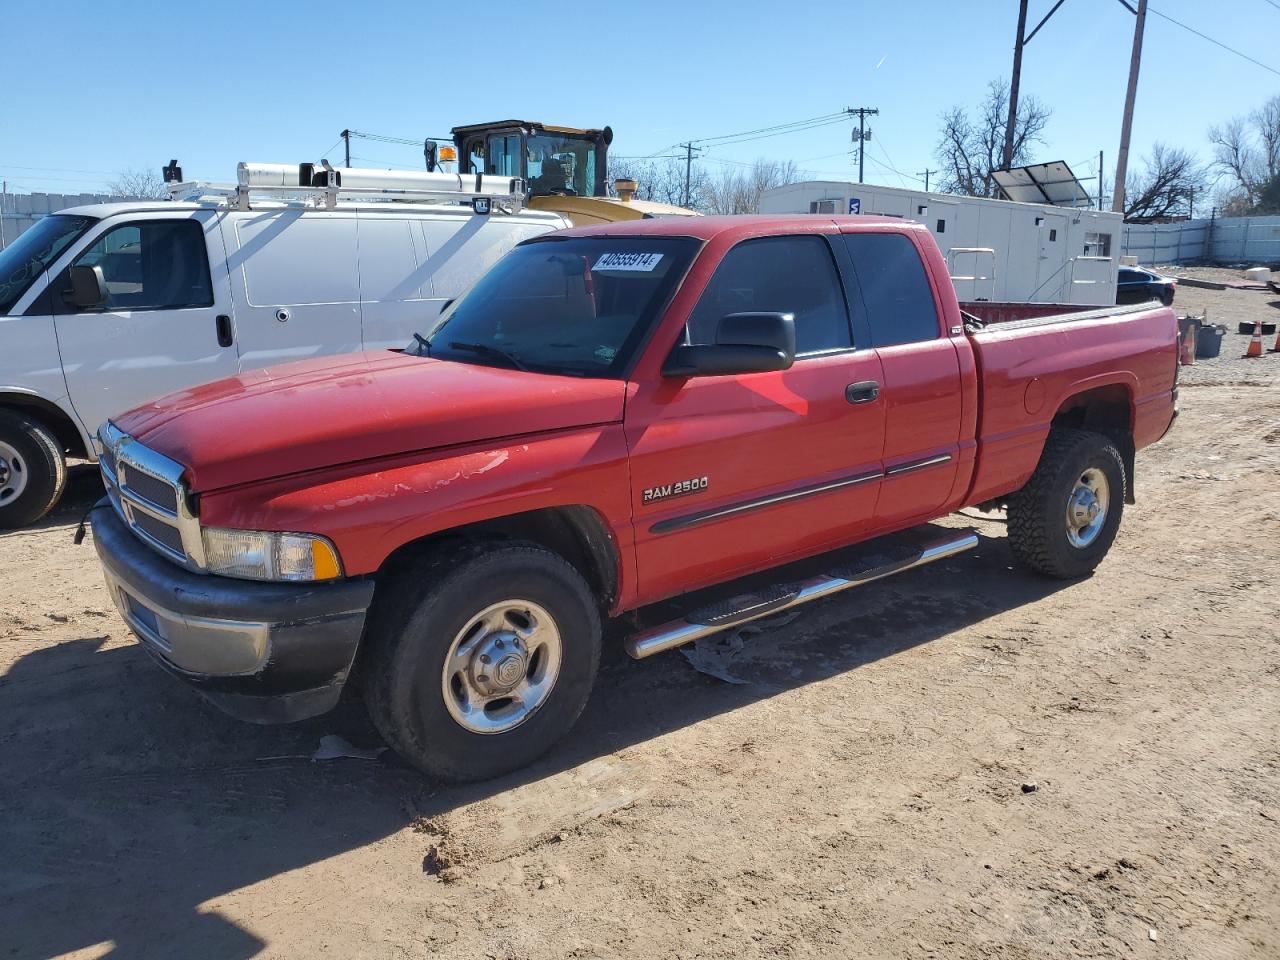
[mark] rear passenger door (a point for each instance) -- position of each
(296, 282)
(736, 473)
(396, 296)
(895, 309)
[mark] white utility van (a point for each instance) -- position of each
(104, 307)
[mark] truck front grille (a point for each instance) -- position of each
(147, 491)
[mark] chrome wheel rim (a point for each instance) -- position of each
(501, 666)
(1087, 507)
(13, 474)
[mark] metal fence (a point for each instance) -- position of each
(1227, 240)
(18, 211)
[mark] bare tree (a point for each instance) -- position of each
(738, 189)
(662, 181)
(137, 185)
(971, 145)
(1247, 151)
(1166, 186)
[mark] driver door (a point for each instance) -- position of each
(732, 474)
(159, 329)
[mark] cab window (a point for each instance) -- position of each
(895, 291)
(152, 265)
(793, 275)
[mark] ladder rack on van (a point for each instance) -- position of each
(324, 185)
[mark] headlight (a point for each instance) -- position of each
(264, 555)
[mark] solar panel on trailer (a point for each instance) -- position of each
(1050, 183)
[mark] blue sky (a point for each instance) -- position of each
(92, 88)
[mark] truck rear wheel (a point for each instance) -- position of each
(32, 470)
(480, 657)
(1063, 522)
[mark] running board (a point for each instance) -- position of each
(752, 606)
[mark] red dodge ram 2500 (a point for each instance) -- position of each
(612, 416)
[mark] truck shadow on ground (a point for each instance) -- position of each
(130, 803)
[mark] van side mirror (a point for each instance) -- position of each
(88, 287)
(745, 343)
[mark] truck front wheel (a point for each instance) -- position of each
(1063, 522)
(32, 470)
(479, 657)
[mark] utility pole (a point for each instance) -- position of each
(689, 149)
(1126, 126)
(346, 143)
(1099, 179)
(863, 134)
(925, 173)
(1020, 41)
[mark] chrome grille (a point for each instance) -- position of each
(156, 491)
(147, 492)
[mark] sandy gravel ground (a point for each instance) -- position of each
(860, 795)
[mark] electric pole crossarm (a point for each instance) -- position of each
(863, 134)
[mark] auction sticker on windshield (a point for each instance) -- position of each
(644, 262)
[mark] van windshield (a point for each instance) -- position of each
(579, 305)
(22, 261)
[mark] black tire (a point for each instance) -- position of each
(415, 619)
(34, 471)
(1167, 297)
(1038, 527)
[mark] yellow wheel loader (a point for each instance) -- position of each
(565, 169)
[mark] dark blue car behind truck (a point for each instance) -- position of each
(1135, 285)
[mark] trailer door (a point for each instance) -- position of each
(1053, 277)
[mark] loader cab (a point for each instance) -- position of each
(553, 161)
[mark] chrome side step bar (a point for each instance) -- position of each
(753, 606)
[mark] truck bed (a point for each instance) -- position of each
(1035, 360)
(990, 313)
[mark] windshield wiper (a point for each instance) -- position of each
(424, 345)
(485, 350)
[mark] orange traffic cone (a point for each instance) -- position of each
(1188, 355)
(1255, 344)
(1276, 347)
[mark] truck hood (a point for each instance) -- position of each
(344, 409)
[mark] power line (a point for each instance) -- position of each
(721, 142)
(779, 127)
(1217, 43)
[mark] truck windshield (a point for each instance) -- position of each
(578, 306)
(32, 253)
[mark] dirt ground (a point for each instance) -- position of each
(866, 793)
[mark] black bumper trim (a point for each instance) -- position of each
(313, 629)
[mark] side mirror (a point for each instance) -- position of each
(745, 343)
(88, 287)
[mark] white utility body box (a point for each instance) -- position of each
(995, 249)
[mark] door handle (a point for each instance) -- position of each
(222, 323)
(864, 391)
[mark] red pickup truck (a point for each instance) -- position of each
(612, 416)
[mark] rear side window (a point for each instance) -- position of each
(778, 274)
(896, 292)
(152, 265)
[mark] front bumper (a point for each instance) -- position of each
(262, 652)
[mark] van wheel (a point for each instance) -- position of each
(1063, 522)
(479, 657)
(32, 470)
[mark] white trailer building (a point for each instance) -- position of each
(995, 249)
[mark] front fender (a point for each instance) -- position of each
(371, 509)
